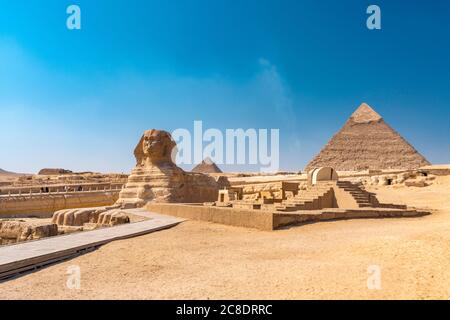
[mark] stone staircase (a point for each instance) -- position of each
(315, 197)
(363, 198)
(333, 194)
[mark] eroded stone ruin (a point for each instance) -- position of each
(323, 190)
(53, 171)
(71, 220)
(13, 231)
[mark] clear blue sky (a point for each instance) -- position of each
(81, 99)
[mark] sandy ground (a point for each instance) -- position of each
(330, 260)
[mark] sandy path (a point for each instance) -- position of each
(317, 261)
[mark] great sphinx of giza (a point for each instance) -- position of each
(157, 178)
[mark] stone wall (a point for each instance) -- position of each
(287, 219)
(257, 219)
(45, 205)
(253, 191)
(268, 220)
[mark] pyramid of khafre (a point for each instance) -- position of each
(367, 142)
(207, 166)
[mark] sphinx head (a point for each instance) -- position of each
(155, 146)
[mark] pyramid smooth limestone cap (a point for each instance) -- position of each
(365, 114)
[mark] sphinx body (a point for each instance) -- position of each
(157, 178)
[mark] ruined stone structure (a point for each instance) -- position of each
(367, 142)
(89, 218)
(53, 171)
(228, 195)
(157, 178)
(327, 199)
(323, 190)
(334, 194)
(13, 231)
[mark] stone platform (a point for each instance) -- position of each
(271, 220)
(310, 216)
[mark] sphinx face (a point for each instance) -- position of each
(157, 145)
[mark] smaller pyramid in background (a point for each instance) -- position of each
(207, 166)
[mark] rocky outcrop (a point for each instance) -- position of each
(53, 171)
(157, 178)
(13, 231)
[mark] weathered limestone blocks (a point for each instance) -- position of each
(408, 179)
(417, 182)
(157, 178)
(89, 218)
(253, 192)
(12, 231)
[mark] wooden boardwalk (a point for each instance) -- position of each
(26, 256)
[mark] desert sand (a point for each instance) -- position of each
(200, 260)
(7, 177)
